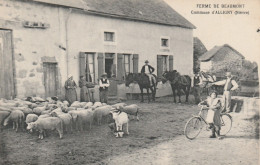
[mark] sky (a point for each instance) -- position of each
(239, 31)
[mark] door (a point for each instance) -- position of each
(50, 79)
(7, 87)
(110, 69)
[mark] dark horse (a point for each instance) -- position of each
(143, 81)
(178, 82)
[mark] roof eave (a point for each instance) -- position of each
(134, 19)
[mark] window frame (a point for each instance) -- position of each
(112, 36)
(165, 60)
(114, 42)
(168, 42)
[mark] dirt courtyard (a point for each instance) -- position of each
(156, 139)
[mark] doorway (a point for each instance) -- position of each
(50, 79)
(7, 86)
(110, 69)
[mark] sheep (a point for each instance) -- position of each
(44, 116)
(25, 110)
(132, 109)
(3, 116)
(80, 118)
(38, 110)
(97, 104)
(66, 119)
(49, 123)
(101, 112)
(17, 117)
(121, 119)
(89, 104)
(119, 104)
(46, 112)
(76, 104)
(31, 118)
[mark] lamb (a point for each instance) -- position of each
(121, 119)
(3, 116)
(17, 117)
(101, 112)
(132, 109)
(49, 123)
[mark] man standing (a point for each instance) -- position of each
(229, 85)
(103, 88)
(197, 81)
(148, 70)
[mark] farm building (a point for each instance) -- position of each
(221, 57)
(43, 41)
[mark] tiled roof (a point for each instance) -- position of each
(212, 52)
(154, 11)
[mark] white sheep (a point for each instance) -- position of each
(31, 118)
(118, 105)
(48, 123)
(17, 117)
(102, 112)
(121, 119)
(132, 109)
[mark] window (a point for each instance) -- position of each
(165, 64)
(126, 63)
(90, 67)
(164, 42)
(109, 36)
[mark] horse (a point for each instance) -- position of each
(178, 82)
(143, 81)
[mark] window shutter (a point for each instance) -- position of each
(100, 64)
(135, 63)
(120, 68)
(170, 62)
(159, 65)
(82, 64)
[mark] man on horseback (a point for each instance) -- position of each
(148, 70)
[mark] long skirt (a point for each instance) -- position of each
(84, 94)
(214, 117)
(71, 95)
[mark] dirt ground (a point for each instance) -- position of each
(156, 139)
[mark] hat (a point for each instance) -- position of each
(228, 74)
(70, 75)
(104, 74)
(146, 61)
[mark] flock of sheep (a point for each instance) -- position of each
(37, 114)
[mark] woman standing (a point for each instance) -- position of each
(84, 92)
(70, 87)
(213, 116)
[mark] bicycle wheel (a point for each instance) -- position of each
(226, 124)
(192, 128)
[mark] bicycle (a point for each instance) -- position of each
(194, 125)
